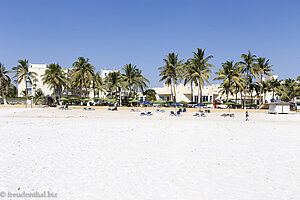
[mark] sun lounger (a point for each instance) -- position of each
(91, 109)
(84, 109)
(196, 115)
(132, 110)
(203, 115)
(184, 110)
(149, 114)
(142, 114)
(157, 110)
(178, 113)
(162, 111)
(172, 113)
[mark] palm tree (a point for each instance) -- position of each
(289, 90)
(171, 72)
(55, 78)
(134, 79)
(129, 76)
(248, 68)
(83, 73)
(230, 73)
(274, 85)
(22, 73)
(39, 95)
(188, 77)
(97, 83)
(262, 68)
(4, 82)
(113, 84)
(265, 88)
(200, 70)
(141, 82)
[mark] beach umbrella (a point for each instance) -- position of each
(146, 103)
(207, 102)
(176, 104)
(159, 102)
(134, 101)
(63, 99)
(183, 102)
(200, 105)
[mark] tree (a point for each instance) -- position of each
(273, 85)
(133, 79)
(4, 82)
(113, 84)
(188, 77)
(22, 73)
(55, 78)
(12, 91)
(171, 72)
(289, 90)
(97, 83)
(38, 95)
(83, 73)
(150, 95)
(200, 70)
(262, 68)
(230, 73)
(248, 68)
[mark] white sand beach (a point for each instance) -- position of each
(120, 155)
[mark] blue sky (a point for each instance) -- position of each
(113, 33)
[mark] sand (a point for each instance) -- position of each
(123, 156)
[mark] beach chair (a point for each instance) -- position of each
(149, 114)
(203, 115)
(172, 113)
(196, 115)
(184, 110)
(162, 111)
(157, 110)
(178, 113)
(109, 109)
(142, 114)
(132, 110)
(91, 109)
(84, 109)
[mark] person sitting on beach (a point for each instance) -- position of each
(247, 116)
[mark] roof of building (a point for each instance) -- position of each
(279, 103)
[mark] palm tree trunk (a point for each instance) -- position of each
(26, 94)
(192, 99)
(171, 92)
(3, 96)
(227, 95)
(200, 93)
(174, 92)
(260, 90)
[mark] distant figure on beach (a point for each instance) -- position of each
(247, 116)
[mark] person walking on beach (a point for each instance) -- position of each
(247, 116)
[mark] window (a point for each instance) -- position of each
(161, 98)
(210, 98)
(29, 91)
(204, 98)
(168, 98)
(28, 83)
(196, 98)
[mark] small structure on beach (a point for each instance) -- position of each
(279, 107)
